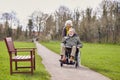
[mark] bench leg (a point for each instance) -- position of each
(34, 63)
(16, 65)
(31, 66)
(11, 67)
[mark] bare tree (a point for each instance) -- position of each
(76, 19)
(61, 15)
(50, 26)
(1, 31)
(38, 18)
(9, 19)
(86, 27)
(30, 27)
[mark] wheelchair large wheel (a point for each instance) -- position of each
(61, 64)
(76, 64)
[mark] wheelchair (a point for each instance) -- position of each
(67, 56)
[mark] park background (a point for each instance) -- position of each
(98, 27)
(98, 24)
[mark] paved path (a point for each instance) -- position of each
(67, 72)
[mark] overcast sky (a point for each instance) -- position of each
(24, 8)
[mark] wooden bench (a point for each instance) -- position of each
(15, 57)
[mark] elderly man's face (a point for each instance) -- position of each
(71, 32)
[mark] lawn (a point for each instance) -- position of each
(39, 74)
(103, 58)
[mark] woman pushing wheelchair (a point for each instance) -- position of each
(70, 41)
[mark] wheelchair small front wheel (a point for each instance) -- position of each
(61, 64)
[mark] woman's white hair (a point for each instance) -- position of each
(69, 22)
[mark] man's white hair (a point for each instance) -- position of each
(69, 22)
(72, 29)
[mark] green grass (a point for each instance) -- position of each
(54, 46)
(39, 74)
(103, 58)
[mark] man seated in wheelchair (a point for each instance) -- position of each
(71, 41)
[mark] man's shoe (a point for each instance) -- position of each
(63, 59)
(71, 59)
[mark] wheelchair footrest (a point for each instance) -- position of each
(68, 63)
